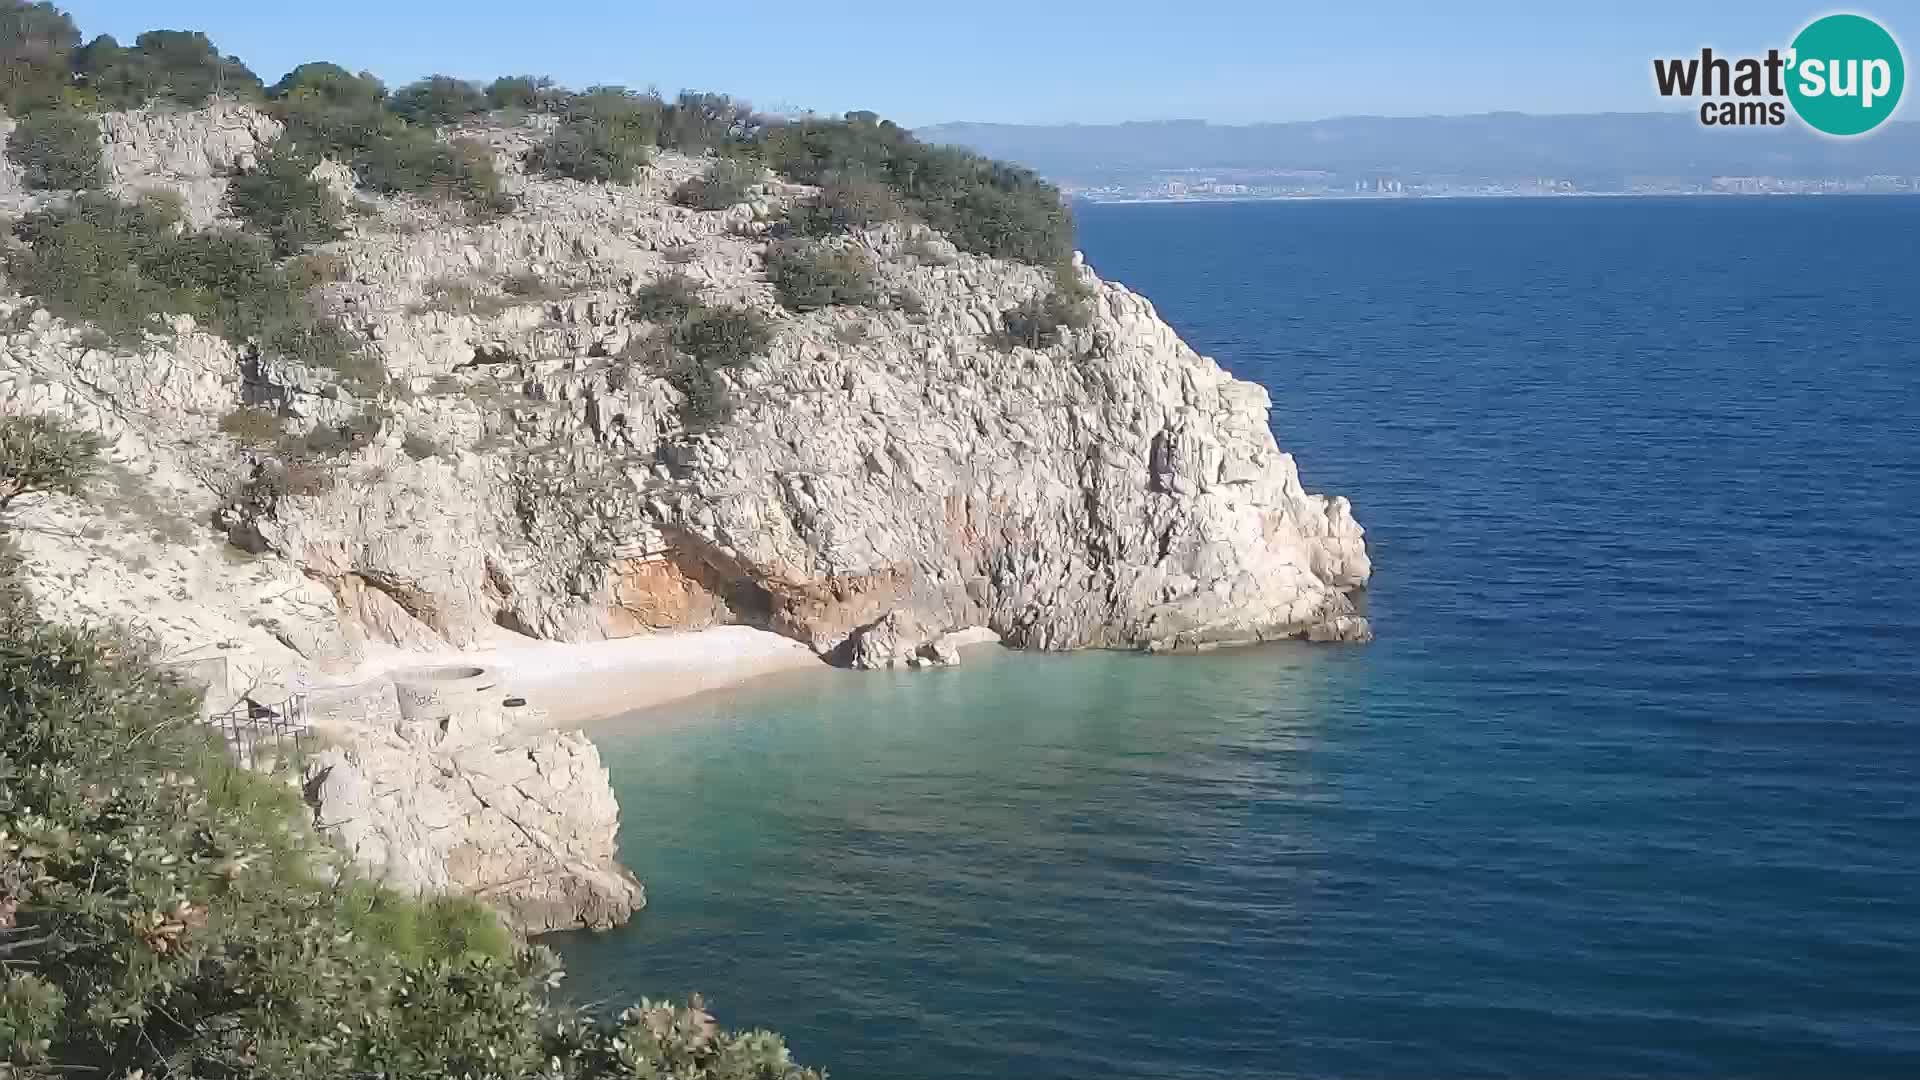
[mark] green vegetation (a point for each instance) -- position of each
(57, 149)
(330, 113)
(37, 41)
(695, 123)
(808, 275)
(177, 66)
(166, 913)
(328, 83)
(592, 150)
(420, 447)
(667, 298)
(282, 200)
(528, 93)
(724, 184)
(1037, 322)
(870, 170)
(845, 204)
(438, 100)
(252, 427)
(986, 207)
(122, 266)
(722, 336)
(39, 455)
(694, 344)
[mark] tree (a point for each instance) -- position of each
(525, 92)
(180, 66)
(41, 455)
(36, 46)
(437, 101)
(57, 149)
(163, 911)
(330, 83)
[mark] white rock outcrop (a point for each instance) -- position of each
(880, 478)
(432, 790)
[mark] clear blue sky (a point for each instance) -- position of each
(1022, 61)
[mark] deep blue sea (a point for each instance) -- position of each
(1628, 786)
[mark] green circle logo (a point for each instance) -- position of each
(1847, 75)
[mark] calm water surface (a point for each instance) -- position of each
(1626, 787)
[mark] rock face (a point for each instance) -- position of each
(431, 791)
(880, 477)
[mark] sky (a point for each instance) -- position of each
(923, 62)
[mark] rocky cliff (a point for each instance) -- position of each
(882, 475)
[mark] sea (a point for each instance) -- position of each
(1627, 786)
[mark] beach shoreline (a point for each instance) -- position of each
(570, 684)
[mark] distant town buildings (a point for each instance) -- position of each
(1194, 185)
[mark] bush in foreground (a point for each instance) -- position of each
(166, 913)
(162, 910)
(57, 150)
(40, 455)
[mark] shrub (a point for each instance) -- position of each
(527, 285)
(808, 275)
(680, 254)
(725, 183)
(331, 116)
(252, 427)
(592, 150)
(167, 913)
(281, 199)
(845, 204)
(37, 41)
(179, 66)
(420, 447)
(58, 149)
(451, 294)
(698, 122)
(984, 206)
(722, 337)
(437, 101)
(1036, 322)
(527, 92)
(42, 455)
(119, 266)
(668, 298)
(330, 84)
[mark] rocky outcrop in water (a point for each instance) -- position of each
(432, 789)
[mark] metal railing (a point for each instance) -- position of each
(255, 733)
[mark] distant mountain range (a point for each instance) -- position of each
(1596, 151)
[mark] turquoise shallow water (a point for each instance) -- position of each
(1627, 787)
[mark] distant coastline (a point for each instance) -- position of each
(1448, 196)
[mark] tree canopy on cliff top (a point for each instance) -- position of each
(985, 206)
